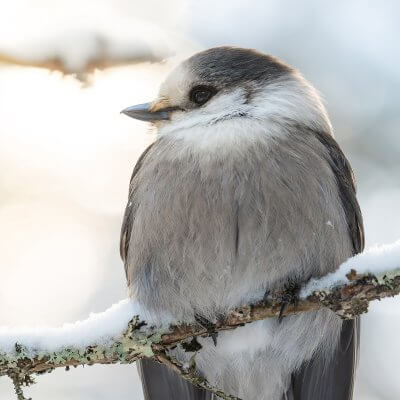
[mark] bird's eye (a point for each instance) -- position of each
(201, 94)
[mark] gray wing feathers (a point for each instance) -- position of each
(334, 380)
(129, 211)
(345, 181)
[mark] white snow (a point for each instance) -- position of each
(375, 260)
(80, 32)
(99, 328)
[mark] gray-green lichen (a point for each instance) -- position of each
(388, 276)
(132, 344)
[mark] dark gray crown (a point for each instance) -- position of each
(231, 66)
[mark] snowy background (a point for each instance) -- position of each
(66, 154)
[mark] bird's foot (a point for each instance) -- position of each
(209, 326)
(266, 298)
(288, 296)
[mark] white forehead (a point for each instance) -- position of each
(177, 85)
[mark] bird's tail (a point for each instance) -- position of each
(161, 383)
(334, 379)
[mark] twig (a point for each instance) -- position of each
(18, 381)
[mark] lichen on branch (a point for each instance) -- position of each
(140, 339)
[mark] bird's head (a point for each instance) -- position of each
(229, 87)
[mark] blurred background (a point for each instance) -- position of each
(67, 68)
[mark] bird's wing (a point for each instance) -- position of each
(347, 190)
(129, 210)
(333, 380)
(158, 381)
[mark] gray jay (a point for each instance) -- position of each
(243, 192)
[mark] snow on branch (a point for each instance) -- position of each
(100, 58)
(125, 333)
(85, 35)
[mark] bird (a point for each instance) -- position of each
(243, 192)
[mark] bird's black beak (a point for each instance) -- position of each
(148, 112)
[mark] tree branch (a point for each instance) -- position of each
(56, 63)
(139, 340)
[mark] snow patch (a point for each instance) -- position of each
(376, 260)
(99, 328)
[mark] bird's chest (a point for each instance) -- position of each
(212, 230)
(198, 203)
